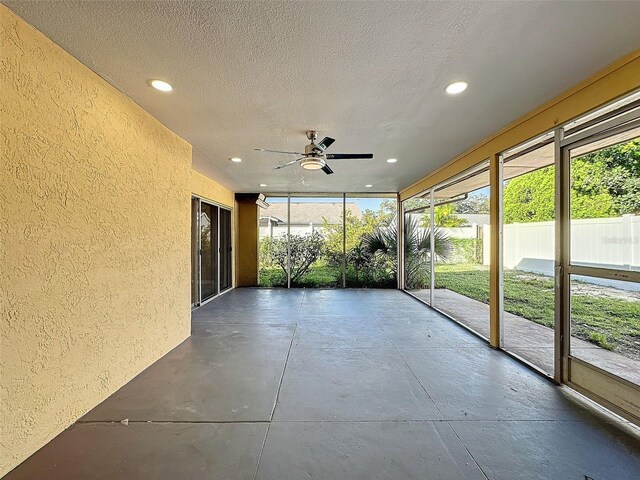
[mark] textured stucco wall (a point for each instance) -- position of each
(94, 222)
(204, 187)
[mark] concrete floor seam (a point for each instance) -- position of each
(407, 365)
(172, 422)
(470, 454)
(286, 361)
(264, 442)
(449, 420)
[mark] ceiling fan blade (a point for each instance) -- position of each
(326, 143)
(327, 169)
(277, 151)
(288, 163)
(344, 156)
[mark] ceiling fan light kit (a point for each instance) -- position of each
(312, 163)
(314, 157)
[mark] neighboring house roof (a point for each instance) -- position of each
(304, 213)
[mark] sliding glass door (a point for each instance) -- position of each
(208, 251)
(195, 252)
(600, 259)
(211, 267)
(225, 249)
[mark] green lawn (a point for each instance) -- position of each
(612, 323)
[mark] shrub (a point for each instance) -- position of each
(383, 242)
(466, 250)
(303, 251)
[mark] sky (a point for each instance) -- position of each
(365, 203)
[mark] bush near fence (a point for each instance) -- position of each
(466, 250)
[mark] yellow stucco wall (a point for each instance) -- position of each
(94, 222)
(206, 188)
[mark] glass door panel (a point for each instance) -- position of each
(604, 251)
(417, 249)
(225, 249)
(460, 230)
(370, 242)
(605, 202)
(605, 324)
(195, 293)
(315, 241)
(529, 253)
(273, 227)
(209, 250)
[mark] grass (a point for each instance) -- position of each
(611, 323)
(324, 276)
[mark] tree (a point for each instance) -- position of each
(383, 241)
(473, 204)
(590, 197)
(304, 250)
(445, 216)
(530, 197)
(355, 228)
(603, 183)
(622, 174)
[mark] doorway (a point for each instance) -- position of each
(211, 266)
(598, 269)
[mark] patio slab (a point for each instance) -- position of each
(355, 397)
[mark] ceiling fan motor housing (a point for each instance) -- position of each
(311, 149)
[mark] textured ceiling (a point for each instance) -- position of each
(370, 74)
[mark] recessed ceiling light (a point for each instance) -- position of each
(456, 88)
(161, 85)
(368, 186)
(263, 184)
(392, 160)
(236, 160)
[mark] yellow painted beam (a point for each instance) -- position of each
(495, 258)
(247, 240)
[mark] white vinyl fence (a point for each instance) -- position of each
(601, 242)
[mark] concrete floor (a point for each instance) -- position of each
(337, 384)
(529, 340)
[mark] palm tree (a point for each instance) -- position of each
(417, 248)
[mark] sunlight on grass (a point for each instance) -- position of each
(610, 322)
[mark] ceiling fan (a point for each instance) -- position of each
(314, 156)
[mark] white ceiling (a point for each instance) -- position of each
(370, 74)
